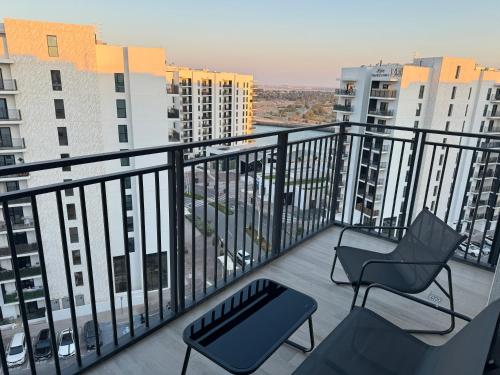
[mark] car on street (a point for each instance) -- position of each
(66, 346)
(243, 256)
(16, 353)
(43, 348)
(89, 335)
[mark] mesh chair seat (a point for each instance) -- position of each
(365, 343)
(352, 260)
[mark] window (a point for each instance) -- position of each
(62, 134)
(59, 107)
(435, 190)
(71, 211)
(152, 270)
(122, 133)
(73, 235)
(120, 273)
(128, 202)
(447, 126)
(127, 182)
(119, 82)
(415, 124)
(438, 175)
(421, 92)
(121, 108)
(12, 185)
(488, 95)
(7, 160)
(450, 110)
(125, 162)
(419, 109)
(77, 259)
(131, 245)
(485, 110)
(68, 192)
(441, 159)
(79, 299)
(52, 46)
(457, 72)
(466, 109)
(453, 92)
(55, 75)
(78, 279)
(66, 168)
(470, 92)
(130, 224)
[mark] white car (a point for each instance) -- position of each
(243, 256)
(16, 354)
(66, 344)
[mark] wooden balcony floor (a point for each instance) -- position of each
(307, 269)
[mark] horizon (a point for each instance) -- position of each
(297, 44)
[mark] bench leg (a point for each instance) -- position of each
(186, 360)
(311, 337)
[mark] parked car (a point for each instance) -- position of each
(16, 353)
(243, 257)
(89, 335)
(66, 344)
(43, 348)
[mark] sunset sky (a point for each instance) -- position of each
(285, 42)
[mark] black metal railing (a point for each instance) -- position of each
(383, 93)
(12, 143)
(343, 107)
(381, 112)
(203, 222)
(345, 92)
(173, 113)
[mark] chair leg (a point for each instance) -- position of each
(186, 360)
(311, 338)
(338, 282)
(449, 295)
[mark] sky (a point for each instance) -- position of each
(301, 43)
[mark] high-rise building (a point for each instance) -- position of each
(204, 105)
(64, 93)
(442, 93)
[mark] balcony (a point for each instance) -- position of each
(345, 92)
(173, 113)
(12, 144)
(384, 93)
(21, 249)
(8, 86)
(172, 89)
(27, 272)
(387, 113)
(343, 108)
(10, 115)
(495, 97)
(25, 223)
(285, 209)
(494, 114)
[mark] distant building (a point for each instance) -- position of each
(441, 93)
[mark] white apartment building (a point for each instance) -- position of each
(64, 93)
(204, 105)
(441, 93)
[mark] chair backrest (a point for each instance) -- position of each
(428, 239)
(468, 351)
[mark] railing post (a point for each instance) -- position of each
(179, 182)
(337, 175)
(414, 177)
(172, 231)
(279, 191)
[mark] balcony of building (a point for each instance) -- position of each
(343, 108)
(284, 202)
(12, 144)
(383, 113)
(385, 94)
(172, 89)
(173, 113)
(10, 115)
(495, 97)
(345, 92)
(8, 86)
(494, 114)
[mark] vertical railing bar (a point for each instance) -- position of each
(442, 178)
(205, 224)
(367, 177)
(419, 139)
(299, 198)
(453, 183)
(69, 281)
(158, 242)
(468, 186)
(172, 231)
(317, 184)
(386, 184)
(3, 359)
(109, 264)
(216, 224)
(429, 176)
(355, 183)
(400, 167)
(312, 186)
(279, 188)
(226, 221)
(262, 189)
(127, 259)
(236, 204)
(48, 306)
(330, 188)
(179, 178)
(294, 191)
(376, 181)
(90, 273)
(254, 203)
(326, 164)
(305, 188)
(193, 234)
(270, 195)
(143, 249)
(245, 204)
(347, 178)
(289, 177)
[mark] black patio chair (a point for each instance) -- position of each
(421, 254)
(365, 343)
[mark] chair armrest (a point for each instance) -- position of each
(366, 227)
